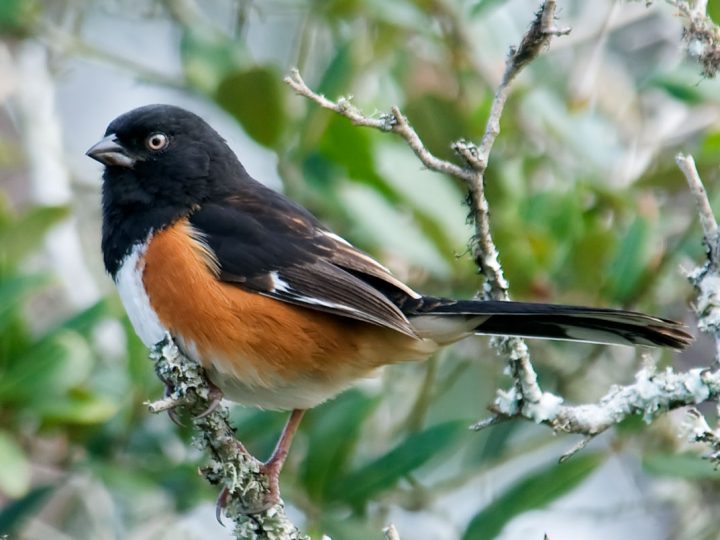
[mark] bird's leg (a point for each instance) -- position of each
(272, 467)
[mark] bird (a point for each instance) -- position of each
(281, 312)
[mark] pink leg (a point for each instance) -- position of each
(274, 465)
(271, 468)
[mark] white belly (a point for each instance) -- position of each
(134, 298)
(304, 394)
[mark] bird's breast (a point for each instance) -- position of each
(258, 350)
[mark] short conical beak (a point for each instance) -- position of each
(111, 153)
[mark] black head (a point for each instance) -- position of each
(164, 155)
(161, 162)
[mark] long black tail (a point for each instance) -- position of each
(553, 321)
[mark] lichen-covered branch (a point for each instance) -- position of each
(698, 431)
(700, 34)
(231, 467)
(652, 393)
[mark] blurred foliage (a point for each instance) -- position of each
(537, 489)
(44, 375)
(587, 207)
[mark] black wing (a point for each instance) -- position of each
(265, 243)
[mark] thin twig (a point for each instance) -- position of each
(705, 279)
(707, 218)
(393, 122)
(391, 533)
(581, 444)
(164, 404)
(528, 394)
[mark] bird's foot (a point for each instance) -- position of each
(215, 396)
(266, 499)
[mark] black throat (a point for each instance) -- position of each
(125, 227)
(131, 212)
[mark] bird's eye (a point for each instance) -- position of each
(156, 141)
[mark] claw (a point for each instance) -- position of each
(220, 503)
(175, 417)
(215, 396)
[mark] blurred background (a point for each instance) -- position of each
(587, 207)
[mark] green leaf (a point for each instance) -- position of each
(13, 515)
(79, 407)
(23, 234)
(47, 370)
(14, 467)
(333, 432)
(628, 266)
(497, 441)
(384, 472)
(255, 99)
(481, 6)
(207, 57)
(713, 11)
(535, 491)
(13, 291)
(439, 121)
(353, 149)
(84, 321)
(690, 466)
(679, 88)
(16, 16)
(339, 72)
(709, 149)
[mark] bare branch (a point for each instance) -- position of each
(484, 251)
(535, 39)
(707, 218)
(394, 122)
(706, 279)
(391, 533)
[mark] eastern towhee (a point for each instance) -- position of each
(281, 312)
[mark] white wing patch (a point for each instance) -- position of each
(134, 298)
(279, 284)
